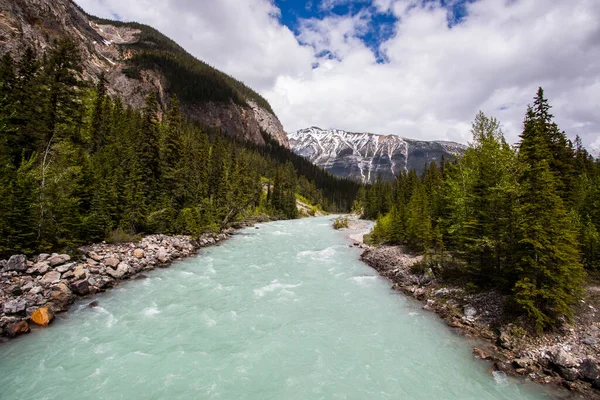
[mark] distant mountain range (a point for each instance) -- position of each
(365, 156)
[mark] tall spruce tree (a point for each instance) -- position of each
(550, 275)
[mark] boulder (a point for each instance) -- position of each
(522, 362)
(41, 267)
(569, 374)
(42, 316)
(18, 328)
(114, 274)
(60, 301)
(3, 264)
(58, 259)
(162, 256)
(36, 290)
(15, 306)
(81, 272)
(123, 269)
(69, 275)
(93, 304)
(104, 283)
(62, 287)
(429, 305)
(481, 354)
(81, 287)
(503, 367)
(112, 262)
(51, 277)
(562, 358)
(589, 370)
(42, 257)
(94, 256)
(17, 263)
(91, 262)
(420, 292)
(138, 253)
(469, 311)
(66, 267)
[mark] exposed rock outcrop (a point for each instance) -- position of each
(109, 48)
(270, 124)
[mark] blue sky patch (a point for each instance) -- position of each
(381, 26)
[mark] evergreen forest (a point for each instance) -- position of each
(523, 219)
(79, 166)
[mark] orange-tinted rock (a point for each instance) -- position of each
(42, 316)
(18, 328)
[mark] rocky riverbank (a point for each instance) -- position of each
(33, 290)
(569, 357)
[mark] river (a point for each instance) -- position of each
(286, 311)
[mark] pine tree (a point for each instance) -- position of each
(172, 156)
(30, 100)
(99, 123)
(550, 275)
(562, 157)
(492, 199)
(418, 223)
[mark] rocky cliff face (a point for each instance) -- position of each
(365, 156)
(107, 47)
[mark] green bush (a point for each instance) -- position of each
(120, 236)
(340, 223)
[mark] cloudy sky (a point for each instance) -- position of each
(416, 68)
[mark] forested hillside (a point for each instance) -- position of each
(137, 60)
(523, 219)
(79, 166)
(190, 79)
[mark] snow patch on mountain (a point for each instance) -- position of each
(365, 156)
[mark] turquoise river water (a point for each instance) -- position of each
(286, 311)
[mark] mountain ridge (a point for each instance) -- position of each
(137, 59)
(365, 156)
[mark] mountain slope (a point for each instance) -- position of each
(365, 156)
(136, 60)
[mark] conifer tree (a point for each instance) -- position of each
(172, 155)
(550, 275)
(149, 147)
(418, 223)
(99, 123)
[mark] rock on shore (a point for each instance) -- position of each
(33, 290)
(569, 356)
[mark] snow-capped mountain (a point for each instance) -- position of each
(364, 156)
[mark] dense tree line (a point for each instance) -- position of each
(78, 165)
(525, 219)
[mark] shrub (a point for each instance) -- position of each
(120, 236)
(340, 223)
